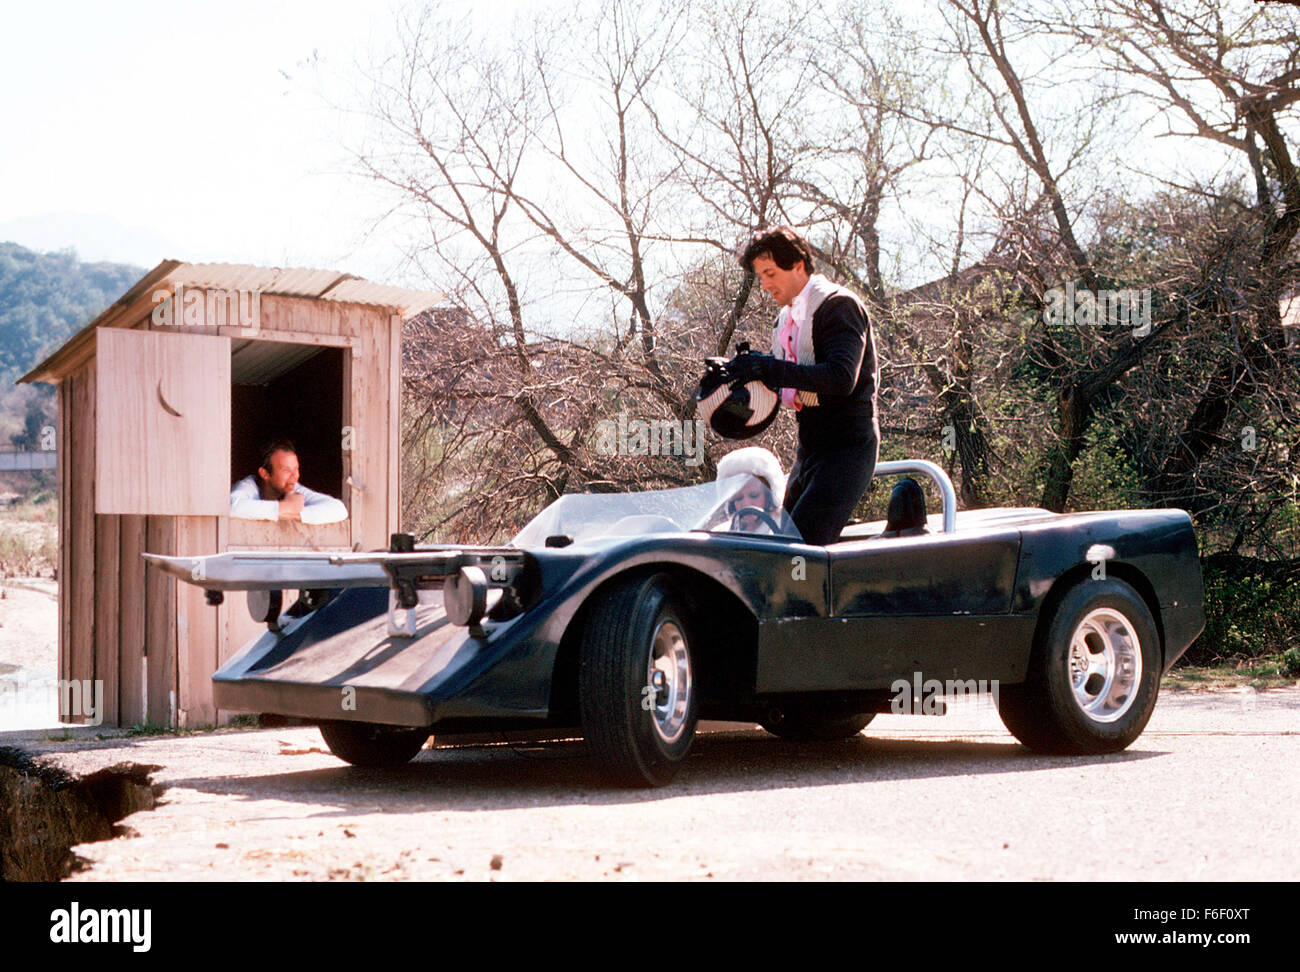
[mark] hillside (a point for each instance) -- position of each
(44, 299)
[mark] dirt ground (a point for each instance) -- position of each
(29, 652)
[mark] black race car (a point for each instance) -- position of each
(632, 616)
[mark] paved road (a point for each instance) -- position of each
(1208, 793)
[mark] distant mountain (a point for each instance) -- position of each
(47, 297)
(96, 237)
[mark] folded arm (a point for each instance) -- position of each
(246, 503)
(320, 508)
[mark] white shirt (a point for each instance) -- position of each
(799, 306)
(246, 503)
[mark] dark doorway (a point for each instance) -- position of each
(290, 391)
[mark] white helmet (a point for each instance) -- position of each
(732, 409)
(756, 461)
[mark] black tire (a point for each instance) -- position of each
(806, 725)
(372, 744)
(639, 725)
(1089, 689)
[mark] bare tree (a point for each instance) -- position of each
(1084, 366)
(1226, 74)
(732, 121)
(454, 140)
(503, 148)
(603, 208)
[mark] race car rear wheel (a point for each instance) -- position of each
(637, 686)
(804, 725)
(1093, 677)
(371, 744)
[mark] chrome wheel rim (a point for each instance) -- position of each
(1105, 663)
(669, 677)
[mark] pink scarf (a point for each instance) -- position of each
(789, 339)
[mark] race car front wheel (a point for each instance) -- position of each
(1093, 676)
(636, 681)
(371, 744)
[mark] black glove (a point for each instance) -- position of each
(752, 367)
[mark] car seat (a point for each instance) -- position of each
(905, 516)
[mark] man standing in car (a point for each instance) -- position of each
(823, 364)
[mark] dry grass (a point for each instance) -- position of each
(29, 540)
(1260, 674)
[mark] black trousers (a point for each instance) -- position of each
(825, 485)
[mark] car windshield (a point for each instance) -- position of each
(738, 504)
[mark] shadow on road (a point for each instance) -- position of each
(471, 778)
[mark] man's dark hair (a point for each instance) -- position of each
(271, 448)
(782, 245)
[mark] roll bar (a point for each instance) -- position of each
(935, 473)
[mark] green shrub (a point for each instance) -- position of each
(1291, 661)
(1252, 611)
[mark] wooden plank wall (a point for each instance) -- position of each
(110, 609)
(66, 480)
(160, 624)
(132, 620)
(235, 627)
(106, 605)
(283, 535)
(117, 619)
(78, 527)
(363, 491)
(133, 705)
(370, 421)
(198, 634)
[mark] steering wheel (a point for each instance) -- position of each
(745, 511)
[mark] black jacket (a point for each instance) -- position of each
(845, 377)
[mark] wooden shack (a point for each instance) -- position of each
(164, 401)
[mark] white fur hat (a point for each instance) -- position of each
(756, 461)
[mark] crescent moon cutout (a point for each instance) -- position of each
(163, 402)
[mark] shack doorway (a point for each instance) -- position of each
(289, 391)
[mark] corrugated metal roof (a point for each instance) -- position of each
(286, 281)
(300, 282)
(278, 281)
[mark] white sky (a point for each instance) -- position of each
(142, 130)
(146, 130)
